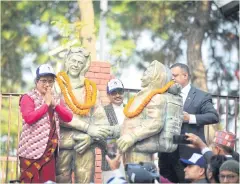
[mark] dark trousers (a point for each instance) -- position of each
(170, 167)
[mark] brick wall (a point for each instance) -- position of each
(100, 73)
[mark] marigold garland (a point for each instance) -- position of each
(66, 89)
(145, 101)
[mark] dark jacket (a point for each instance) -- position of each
(200, 104)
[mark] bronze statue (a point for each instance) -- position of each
(153, 116)
(80, 94)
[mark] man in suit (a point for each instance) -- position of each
(198, 111)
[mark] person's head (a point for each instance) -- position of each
(194, 167)
(180, 74)
(156, 76)
(229, 172)
(144, 172)
(212, 171)
(115, 91)
(77, 62)
(45, 78)
(223, 143)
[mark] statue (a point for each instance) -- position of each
(88, 125)
(153, 116)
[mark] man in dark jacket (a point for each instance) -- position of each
(198, 111)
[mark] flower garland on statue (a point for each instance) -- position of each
(66, 89)
(145, 101)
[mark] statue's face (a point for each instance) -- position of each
(75, 64)
(147, 76)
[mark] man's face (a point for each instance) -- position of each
(116, 96)
(179, 76)
(75, 64)
(193, 172)
(228, 177)
(147, 76)
(44, 83)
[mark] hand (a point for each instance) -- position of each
(115, 131)
(98, 131)
(125, 142)
(196, 142)
(186, 117)
(114, 163)
(48, 96)
(83, 142)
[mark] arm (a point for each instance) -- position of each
(154, 121)
(63, 112)
(29, 114)
(208, 115)
(151, 125)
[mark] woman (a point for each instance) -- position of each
(41, 111)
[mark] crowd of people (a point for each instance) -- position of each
(56, 137)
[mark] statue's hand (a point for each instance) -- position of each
(125, 142)
(83, 142)
(98, 131)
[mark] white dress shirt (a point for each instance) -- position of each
(184, 94)
(119, 113)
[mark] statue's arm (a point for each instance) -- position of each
(155, 117)
(77, 123)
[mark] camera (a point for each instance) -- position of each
(180, 139)
(144, 172)
(111, 147)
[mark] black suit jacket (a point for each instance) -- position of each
(200, 104)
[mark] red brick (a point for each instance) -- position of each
(105, 65)
(102, 76)
(98, 151)
(98, 163)
(104, 82)
(95, 69)
(97, 81)
(98, 176)
(97, 181)
(101, 87)
(98, 170)
(89, 75)
(98, 157)
(105, 70)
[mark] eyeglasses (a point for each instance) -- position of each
(228, 177)
(44, 81)
(117, 91)
(77, 50)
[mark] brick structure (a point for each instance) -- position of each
(99, 72)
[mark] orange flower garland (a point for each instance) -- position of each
(145, 101)
(66, 89)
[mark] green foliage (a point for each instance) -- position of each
(26, 29)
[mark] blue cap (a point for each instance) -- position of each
(45, 69)
(114, 84)
(196, 159)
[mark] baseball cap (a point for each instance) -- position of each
(114, 84)
(196, 159)
(225, 138)
(145, 172)
(45, 69)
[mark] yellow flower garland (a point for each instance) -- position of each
(66, 89)
(145, 101)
